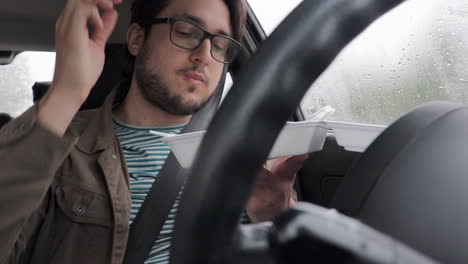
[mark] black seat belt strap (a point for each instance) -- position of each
(153, 212)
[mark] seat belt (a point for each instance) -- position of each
(153, 212)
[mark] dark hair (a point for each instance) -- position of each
(144, 10)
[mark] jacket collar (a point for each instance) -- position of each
(95, 126)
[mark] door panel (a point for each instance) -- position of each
(323, 171)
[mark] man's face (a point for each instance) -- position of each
(177, 80)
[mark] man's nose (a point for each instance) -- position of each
(203, 53)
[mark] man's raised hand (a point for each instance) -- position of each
(81, 33)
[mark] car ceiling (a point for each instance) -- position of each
(30, 24)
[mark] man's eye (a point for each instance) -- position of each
(218, 47)
(184, 34)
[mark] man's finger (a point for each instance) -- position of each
(95, 21)
(68, 9)
(109, 19)
(263, 175)
(65, 16)
(75, 17)
(104, 4)
(298, 158)
(288, 167)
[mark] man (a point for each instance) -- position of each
(72, 181)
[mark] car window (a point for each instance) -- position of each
(17, 79)
(270, 15)
(227, 85)
(416, 53)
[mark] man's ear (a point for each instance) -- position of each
(135, 39)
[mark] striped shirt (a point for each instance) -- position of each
(145, 155)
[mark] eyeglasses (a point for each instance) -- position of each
(187, 35)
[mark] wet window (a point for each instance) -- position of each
(416, 53)
(17, 79)
(270, 15)
(227, 85)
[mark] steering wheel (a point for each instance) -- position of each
(265, 94)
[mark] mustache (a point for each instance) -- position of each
(196, 69)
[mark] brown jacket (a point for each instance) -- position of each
(63, 200)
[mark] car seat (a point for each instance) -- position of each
(4, 118)
(411, 183)
(114, 71)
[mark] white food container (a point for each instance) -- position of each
(354, 137)
(296, 138)
(299, 138)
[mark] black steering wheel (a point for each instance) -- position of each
(266, 93)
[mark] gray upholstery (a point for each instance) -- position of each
(412, 182)
(4, 118)
(113, 72)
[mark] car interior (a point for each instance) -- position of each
(399, 201)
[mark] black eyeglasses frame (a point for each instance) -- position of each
(206, 35)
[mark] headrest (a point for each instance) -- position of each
(113, 72)
(4, 118)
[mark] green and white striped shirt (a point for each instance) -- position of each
(145, 155)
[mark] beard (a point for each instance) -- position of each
(157, 92)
